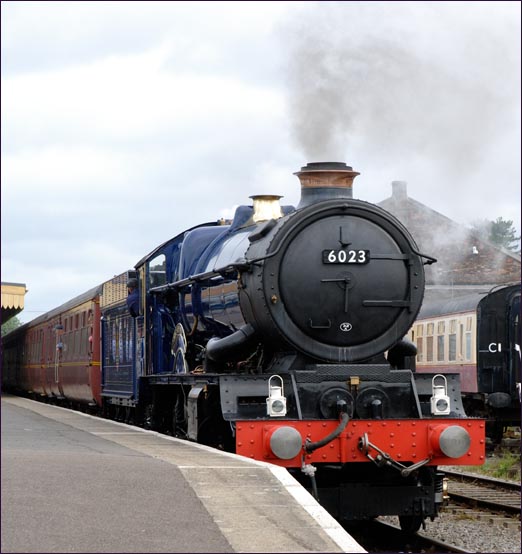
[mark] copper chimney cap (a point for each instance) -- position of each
(324, 181)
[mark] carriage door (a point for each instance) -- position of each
(60, 350)
(55, 347)
(515, 345)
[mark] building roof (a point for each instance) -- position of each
(463, 258)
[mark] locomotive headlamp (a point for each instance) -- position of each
(276, 401)
(440, 402)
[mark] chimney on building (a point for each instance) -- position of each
(400, 191)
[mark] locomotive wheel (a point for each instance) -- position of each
(410, 524)
(118, 413)
(179, 417)
(215, 432)
(495, 431)
(150, 419)
(129, 415)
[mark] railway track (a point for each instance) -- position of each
(384, 536)
(478, 491)
(482, 507)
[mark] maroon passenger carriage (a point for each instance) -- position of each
(57, 355)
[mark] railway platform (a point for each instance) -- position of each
(77, 483)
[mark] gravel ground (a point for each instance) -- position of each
(487, 534)
(482, 533)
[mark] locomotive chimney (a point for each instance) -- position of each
(266, 206)
(325, 181)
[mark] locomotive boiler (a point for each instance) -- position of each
(337, 280)
(279, 335)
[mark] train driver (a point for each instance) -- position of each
(133, 298)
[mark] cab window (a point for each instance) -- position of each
(157, 271)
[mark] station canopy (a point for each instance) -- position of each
(13, 295)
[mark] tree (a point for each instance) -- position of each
(10, 325)
(500, 232)
(504, 234)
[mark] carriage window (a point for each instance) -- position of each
(84, 341)
(452, 348)
(430, 327)
(441, 329)
(420, 353)
(66, 343)
(429, 349)
(468, 346)
(157, 271)
(461, 341)
(440, 348)
(452, 341)
(76, 343)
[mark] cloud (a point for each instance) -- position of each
(40, 36)
(127, 99)
(405, 79)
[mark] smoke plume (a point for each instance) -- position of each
(415, 80)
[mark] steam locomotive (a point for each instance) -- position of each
(279, 336)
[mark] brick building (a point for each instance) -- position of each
(465, 263)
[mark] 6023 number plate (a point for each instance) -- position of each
(346, 256)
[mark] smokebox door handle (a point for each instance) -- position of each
(317, 326)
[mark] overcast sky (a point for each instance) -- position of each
(124, 123)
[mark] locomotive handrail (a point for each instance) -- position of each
(246, 264)
(388, 303)
(389, 256)
(221, 272)
(430, 259)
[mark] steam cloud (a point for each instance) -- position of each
(410, 80)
